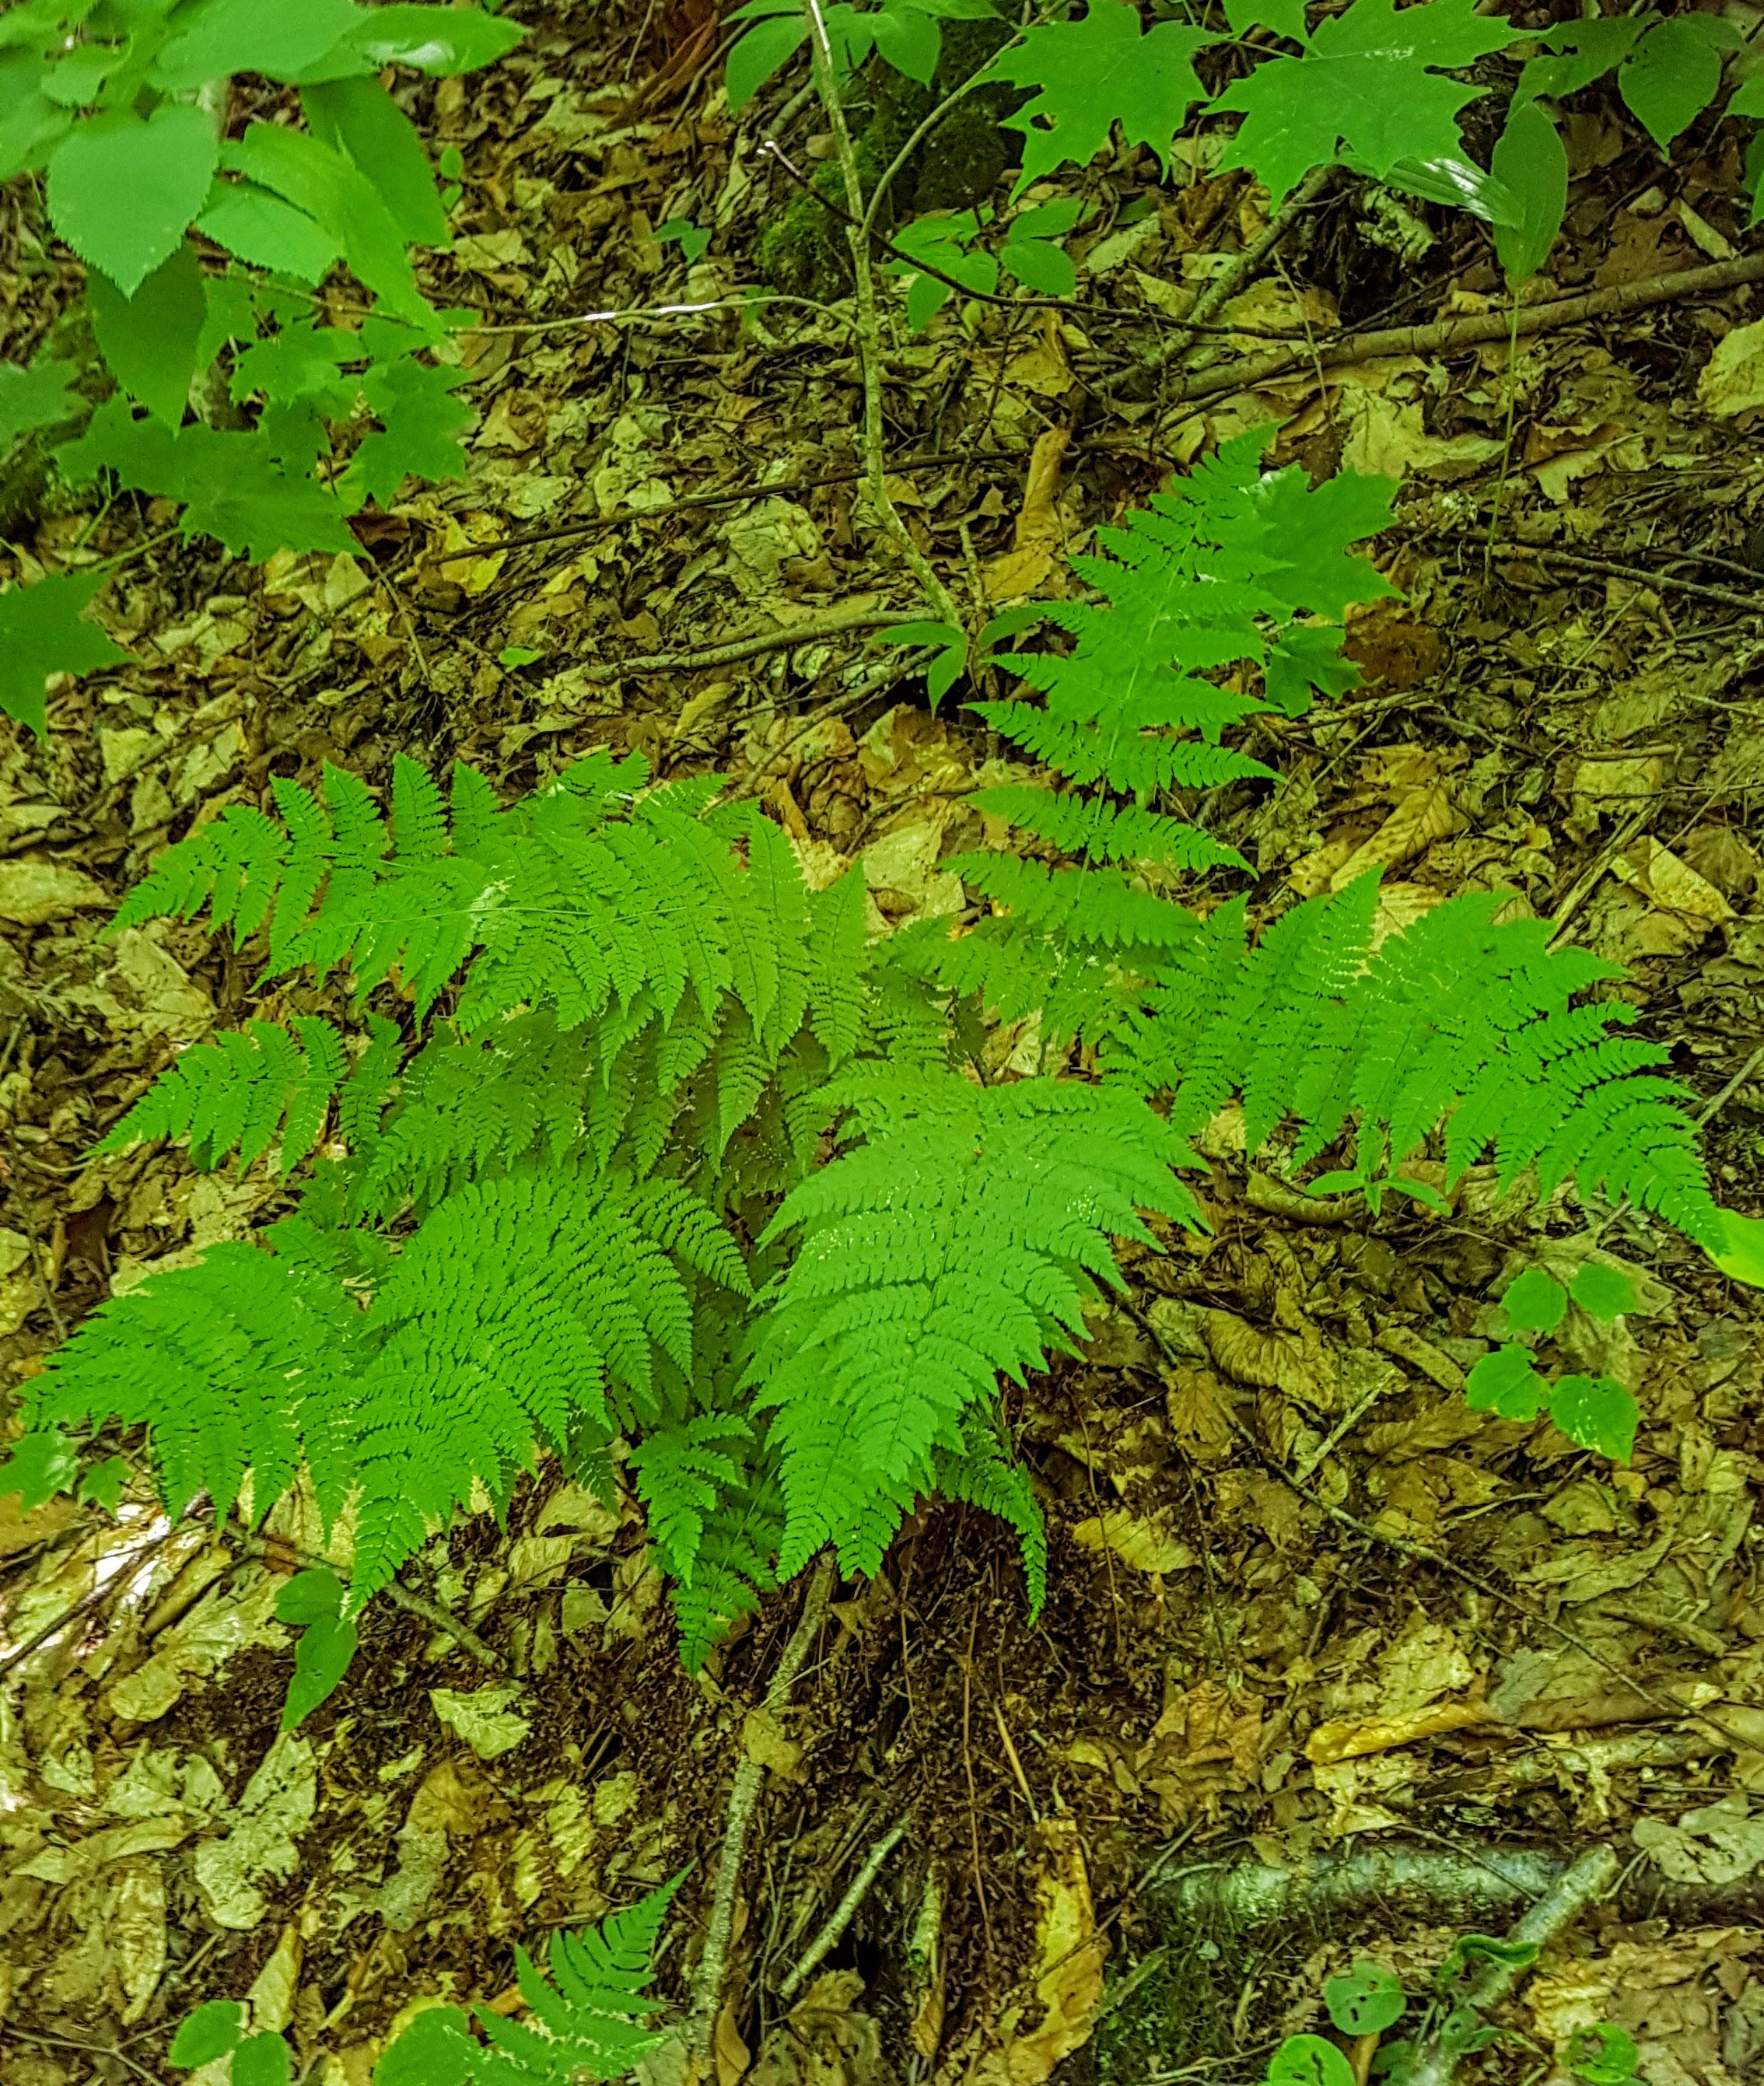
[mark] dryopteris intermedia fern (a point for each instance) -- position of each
(1457, 1020)
(1215, 574)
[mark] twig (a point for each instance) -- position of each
(1591, 1878)
(119, 1581)
(1446, 336)
(743, 1798)
(1244, 268)
(273, 1547)
(869, 328)
(748, 648)
(1710, 1109)
(833, 1931)
(1638, 575)
(744, 302)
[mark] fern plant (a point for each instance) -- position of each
(661, 1161)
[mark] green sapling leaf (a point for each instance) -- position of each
(434, 2049)
(39, 397)
(1096, 72)
(246, 36)
(1603, 2055)
(163, 164)
(262, 2060)
(42, 1463)
(208, 2032)
(1596, 1412)
(261, 228)
(358, 118)
(1505, 1382)
(1308, 2060)
(1530, 159)
(321, 1657)
(769, 43)
(1602, 1292)
(151, 340)
(1587, 49)
(44, 630)
(1535, 1302)
(1370, 79)
(1674, 73)
(1365, 2001)
(103, 1483)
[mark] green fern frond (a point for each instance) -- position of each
(733, 1568)
(838, 960)
(983, 1473)
(235, 1092)
(683, 1471)
(959, 1239)
(1104, 832)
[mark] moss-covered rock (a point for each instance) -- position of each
(804, 251)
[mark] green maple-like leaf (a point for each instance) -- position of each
(1099, 71)
(1368, 80)
(43, 631)
(423, 421)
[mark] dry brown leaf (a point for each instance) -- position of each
(1039, 531)
(1066, 1967)
(1331, 1743)
(1147, 1545)
(1417, 821)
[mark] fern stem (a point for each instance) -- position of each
(744, 1800)
(869, 328)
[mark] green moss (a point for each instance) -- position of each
(804, 253)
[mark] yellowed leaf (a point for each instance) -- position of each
(1147, 1545)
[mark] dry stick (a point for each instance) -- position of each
(748, 648)
(1448, 335)
(841, 1917)
(1589, 1879)
(1244, 268)
(743, 1798)
(869, 328)
(272, 1549)
(1638, 575)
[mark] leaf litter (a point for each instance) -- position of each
(1222, 1665)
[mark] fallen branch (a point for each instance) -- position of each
(832, 1931)
(1638, 575)
(744, 1800)
(1447, 336)
(1465, 1886)
(1244, 270)
(749, 648)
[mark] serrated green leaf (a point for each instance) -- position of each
(231, 483)
(1371, 79)
(1674, 72)
(39, 397)
(360, 119)
(208, 2032)
(44, 630)
(151, 340)
(1506, 1382)
(260, 228)
(422, 424)
(439, 40)
(1530, 159)
(1596, 1412)
(1535, 1302)
(222, 36)
(341, 199)
(299, 361)
(1602, 1292)
(321, 1659)
(163, 165)
(42, 1463)
(1093, 73)
(1603, 2055)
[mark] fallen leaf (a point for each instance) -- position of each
(1038, 532)
(1147, 1545)
(33, 893)
(482, 1717)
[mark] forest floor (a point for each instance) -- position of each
(1303, 1601)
